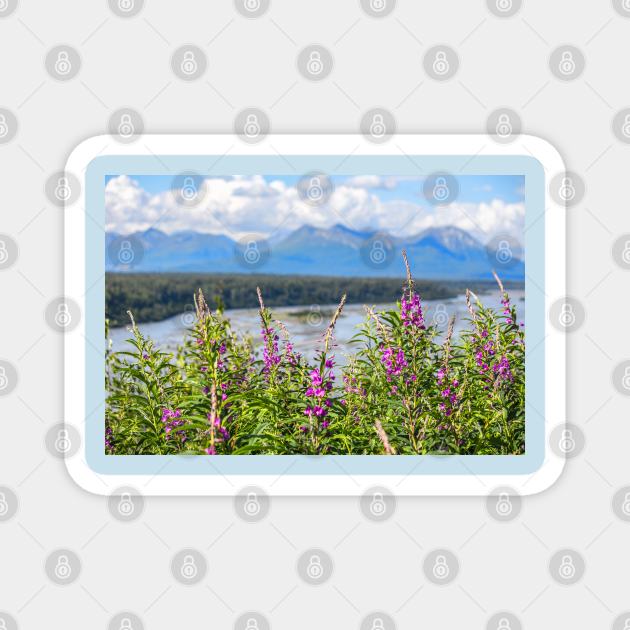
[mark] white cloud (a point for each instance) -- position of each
(372, 181)
(252, 205)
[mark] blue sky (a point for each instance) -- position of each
(270, 205)
(473, 188)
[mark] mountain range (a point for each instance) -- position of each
(435, 253)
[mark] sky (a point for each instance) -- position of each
(270, 206)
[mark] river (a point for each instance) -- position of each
(307, 325)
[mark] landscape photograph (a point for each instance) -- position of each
(314, 314)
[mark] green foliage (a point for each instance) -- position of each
(407, 389)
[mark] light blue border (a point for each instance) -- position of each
(328, 464)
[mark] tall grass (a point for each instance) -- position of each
(408, 388)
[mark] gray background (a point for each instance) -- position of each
(126, 62)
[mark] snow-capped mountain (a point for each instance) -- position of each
(438, 253)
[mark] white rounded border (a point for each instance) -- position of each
(317, 485)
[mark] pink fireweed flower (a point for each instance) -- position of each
(172, 420)
(290, 354)
(502, 370)
(271, 355)
(411, 311)
(394, 361)
(488, 362)
(321, 383)
(109, 438)
(448, 391)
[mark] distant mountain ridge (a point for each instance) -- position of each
(435, 253)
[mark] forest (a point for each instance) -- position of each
(156, 296)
